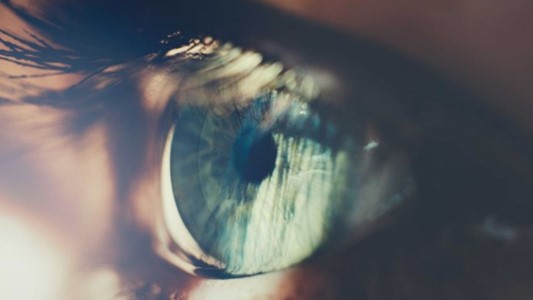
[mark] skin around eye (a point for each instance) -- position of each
(481, 44)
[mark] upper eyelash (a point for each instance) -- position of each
(35, 52)
(210, 69)
(216, 73)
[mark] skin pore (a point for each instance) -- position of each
(79, 181)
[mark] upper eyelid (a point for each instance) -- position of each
(224, 72)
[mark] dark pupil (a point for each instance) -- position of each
(254, 154)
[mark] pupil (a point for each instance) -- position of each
(254, 154)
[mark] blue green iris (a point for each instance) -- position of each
(260, 186)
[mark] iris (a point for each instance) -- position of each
(260, 185)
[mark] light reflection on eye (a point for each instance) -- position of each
(259, 183)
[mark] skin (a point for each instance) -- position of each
(79, 189)
(477, 42)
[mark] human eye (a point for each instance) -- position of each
(430, 168)
(292, 149)
(451, 146)
(260, 172)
